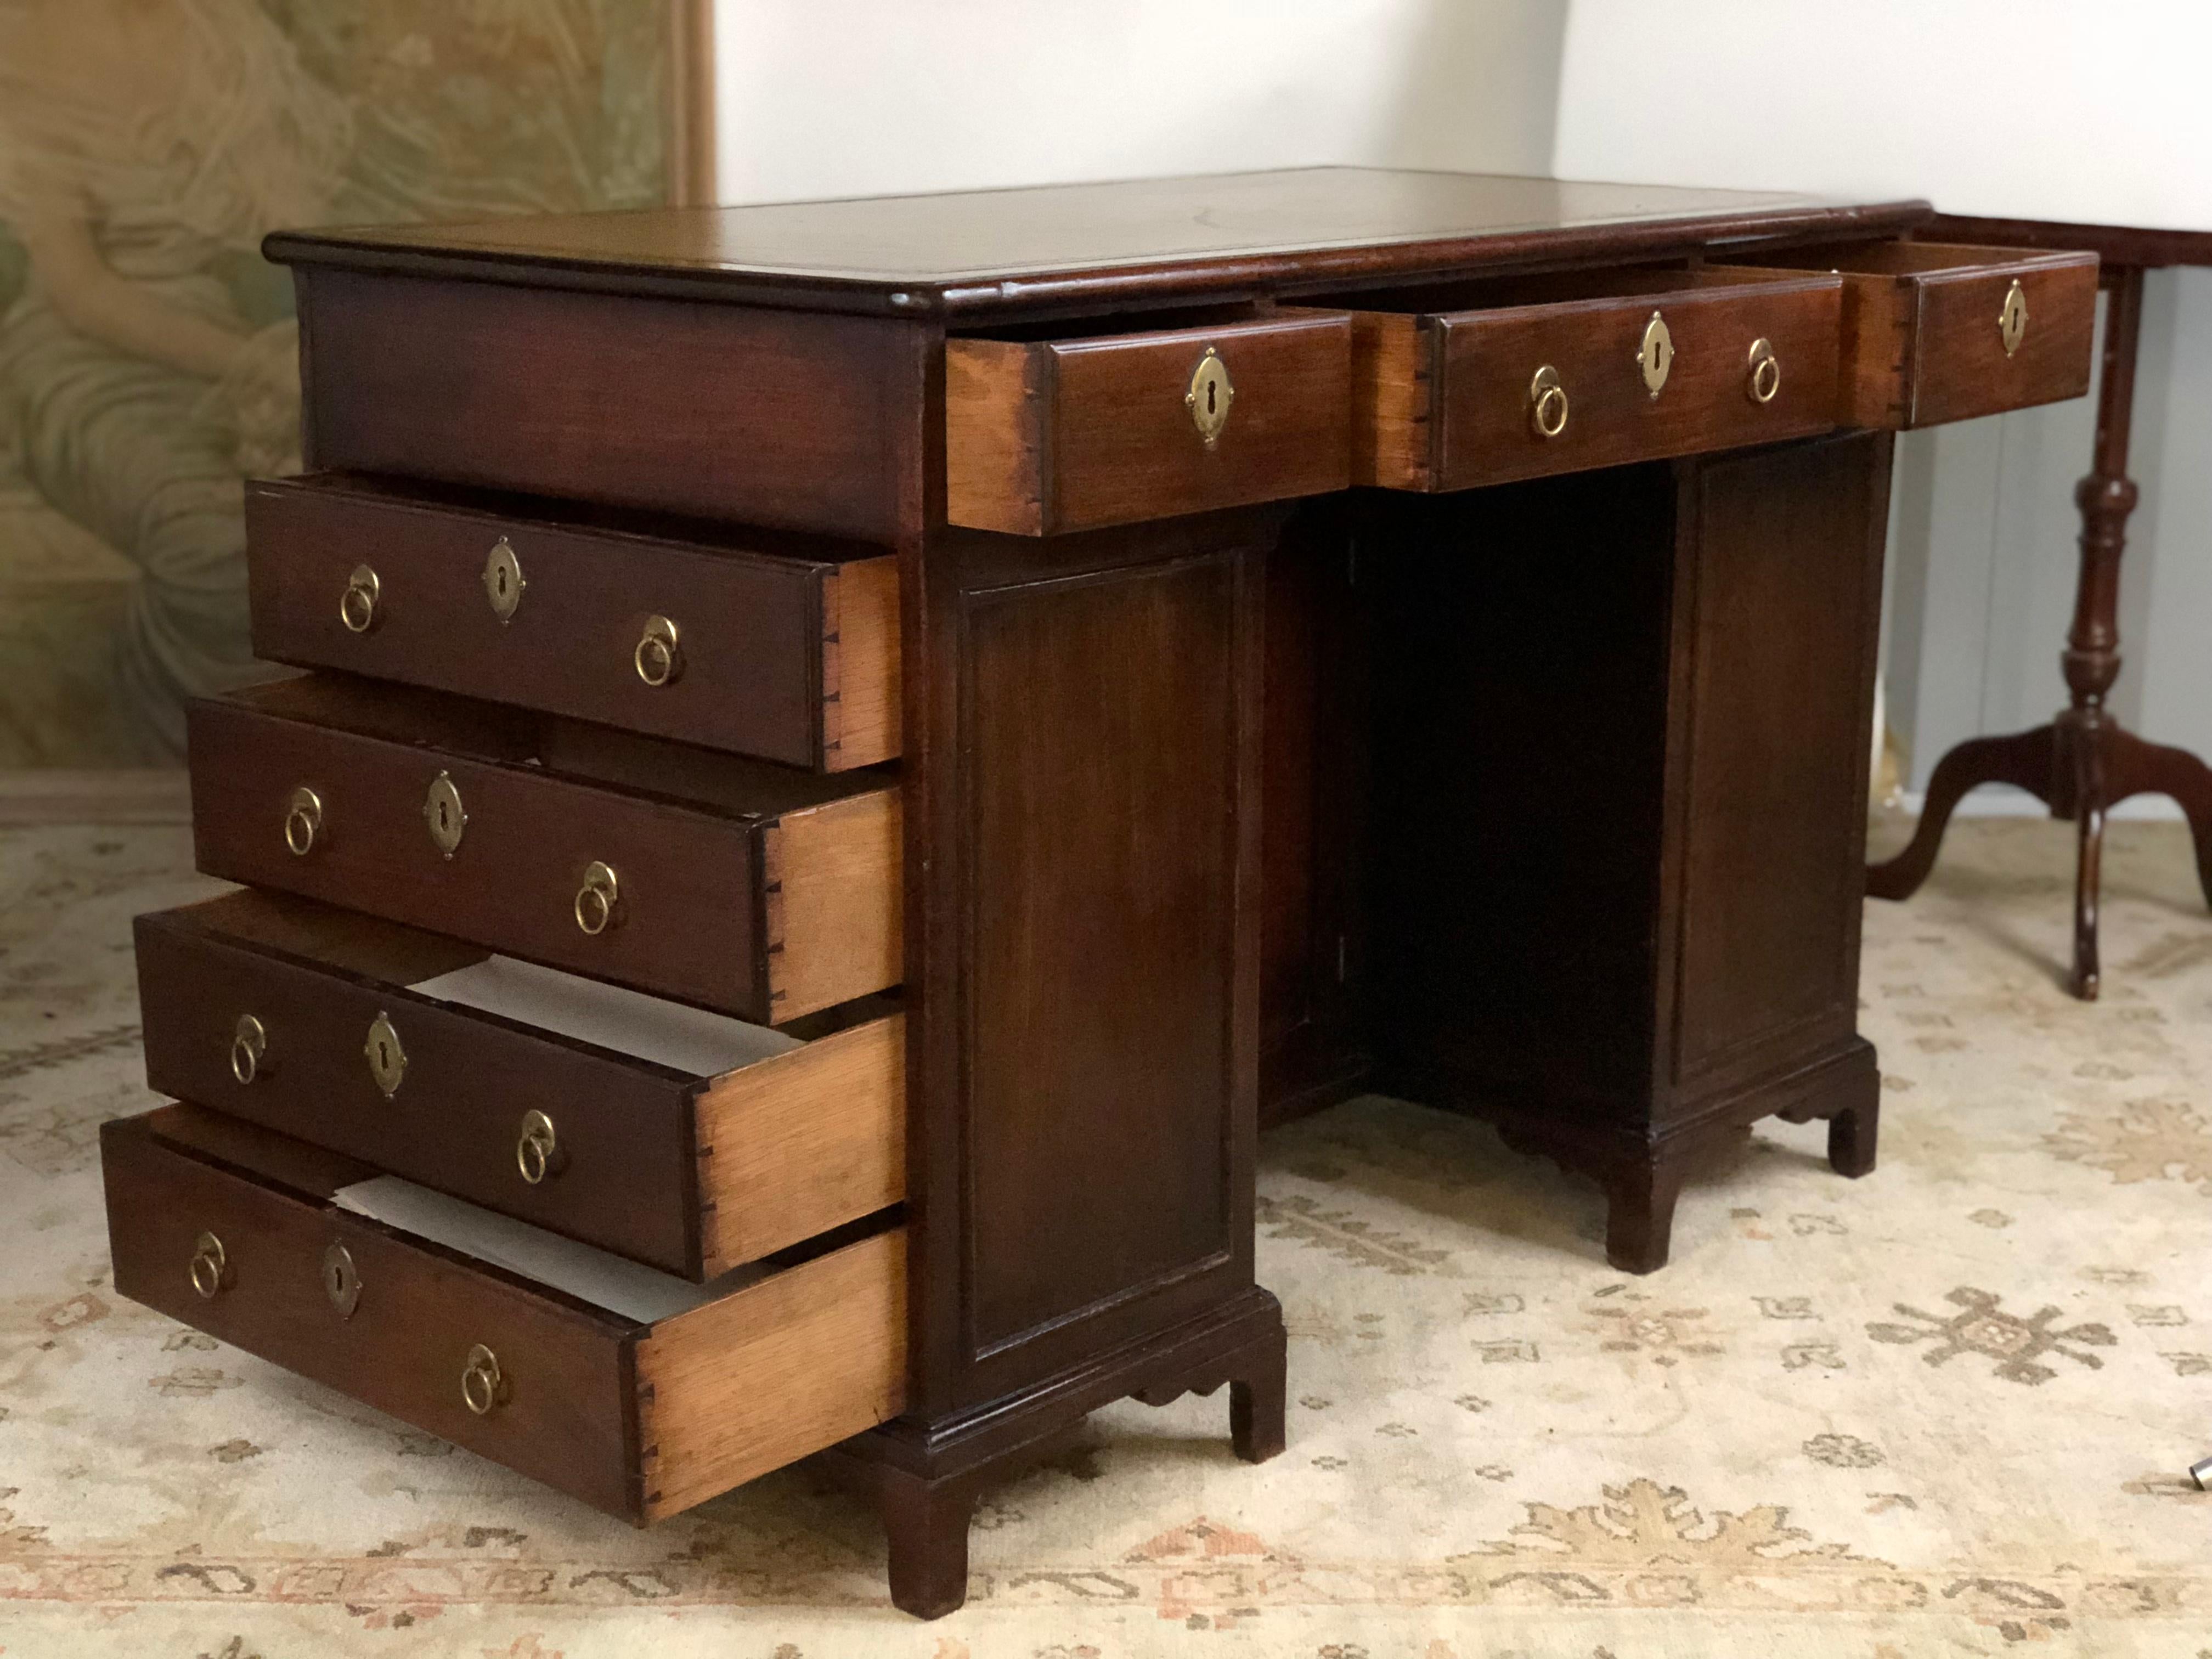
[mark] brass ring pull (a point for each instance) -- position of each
(658, 658)
(303, 821)
(210, 1268)
(2012, 319)
(484, 1385)
(536, 1154)
(1765, 373)
(1547, 403)
(357, 606)
(247, 1044)
(597, 899)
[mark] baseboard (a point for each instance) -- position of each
(33, 796)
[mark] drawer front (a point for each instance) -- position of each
(1050, 436)
(784, 418)
(1597, 408)
(789, 659)
(1934, 332)
(689, 920)
(262, 1007)
(1959, 366)
(625, 1176)
(637, 1420)
(405, 1347)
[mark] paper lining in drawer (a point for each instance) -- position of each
(613, 1017)
(588, 1274)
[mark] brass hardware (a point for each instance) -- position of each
(210, 1268)
(503, 580)
(1655, 353)
(443, 814)
(2012, 321)
(247, 1044)
(1211, 393)
(340, 1280)
(1547, 403)
(1766, 378)
(303, 821)
(597, 899)
(484, 1385)
(387, 1061)
(357, 606)
(537, 1154)
(658, 660)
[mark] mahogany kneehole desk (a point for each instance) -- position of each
(975, 703)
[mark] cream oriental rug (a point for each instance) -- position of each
(1946, 1410)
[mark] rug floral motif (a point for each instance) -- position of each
(1946, 1410)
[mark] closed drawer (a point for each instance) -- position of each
(733, 411)
(1480, 383)
(681, 1139)
(749, 889)
(786, 649)
(640, 1419)
(1044, 436)
(1935, 333)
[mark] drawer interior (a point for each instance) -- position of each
(584, 753)
(785, 1132)
(1897, 259)
(644, 1416)
(1557, 288)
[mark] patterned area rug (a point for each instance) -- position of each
(1945, 1409)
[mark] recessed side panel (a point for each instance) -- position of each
(1104, 782)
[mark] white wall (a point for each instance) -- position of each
(2048, 108)
(2052, 109)
(824, 98)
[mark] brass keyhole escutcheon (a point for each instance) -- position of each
(2012, 321)
(484, 1385)
(210, 1268)
(1764, 379)
(443, 814)
(303, 821)
(358, 607)
(1547, 403)
(503, 580)
(340, 1280)
(597, 899)
(248, 1042)
(1654, 355)
(537, 1152)
(387, 1059)
(1210, 394)
(658, 658)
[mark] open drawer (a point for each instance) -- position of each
(671, 1136)
(783, 646)
(753, 890)
(1067, 429)
(1491, 379)
(1935, 333)
(234, 1231)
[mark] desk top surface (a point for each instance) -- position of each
(1056, 245)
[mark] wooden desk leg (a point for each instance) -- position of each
(2083, 764)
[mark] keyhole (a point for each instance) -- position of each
(1210, 389)
(384, 1056)
(443, 822)
(501, 580)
